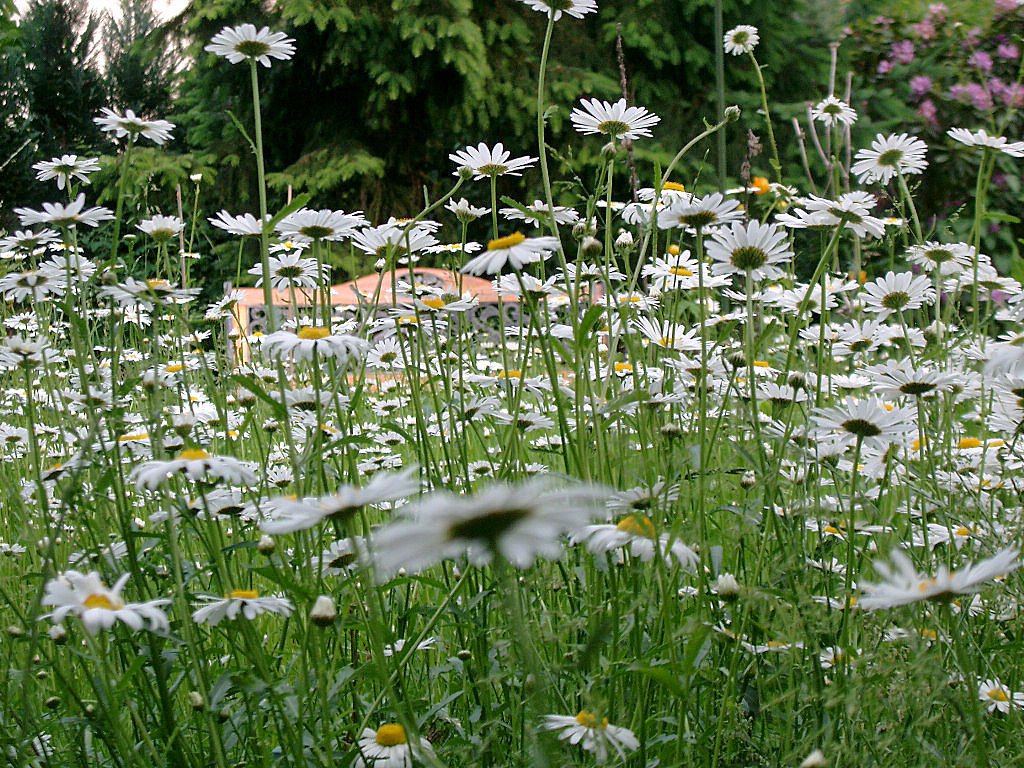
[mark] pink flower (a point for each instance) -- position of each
(980, 60)
(928, 112)
(924, 29)
(1003, 7)
(980, 98)
(903, 51)
(1013, 95)
(972, 38)
(884, 67)
(959, 93)
(920, 85)
(1008, 51)
(938, 11)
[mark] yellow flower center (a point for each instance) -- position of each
(513, 374)
(760, 185)
(637, 525)
(506, 242)
(675, 186)
(193, 454)
(312, 333)
(673, 250)
(776, 644)
(623, 367)
(997, 694)
(969, 442)
(681, 272)
(136, 436)
(102, 601)
(963, 530)
(158, 283)
(761, 364)
(434, 302)
(243, 594)
(390, 735)
(174, 368)
(588, 719)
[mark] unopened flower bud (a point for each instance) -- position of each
(797, 380)
(815, 760)
(591, 246)
(58, 634)
(726, 587)
(580, 230)
(323, 612)
(609, 150)
(732, 113)
(671, 430)
(624, 240)
(196, 700)
(15, 631)
(465, 172)
(749, 479)
(266, 545)
(736, 359)
(53, 702)
(465, 654)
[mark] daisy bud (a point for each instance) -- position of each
(379, 264)
(323, 612)
(609, 150)
(271, 425)
(737, 360)
(580, 230)
(749, 479)
(224, 715)
(58, 634)
(671, 430)
(108, 277)
(42, 674)
(266, 545)
(732, 113)
(15, 631)
(53, 702)
(797, 380)
(592, 246)
(90, 710)
(727, 588)
(465, 654)
(815, 760)
(465, 172)
(624, 240)
(195, 698)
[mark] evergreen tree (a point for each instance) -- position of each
(140, 60)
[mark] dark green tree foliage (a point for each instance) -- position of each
(16, 137)
(380, 92)
(65, 90)
(140, 60)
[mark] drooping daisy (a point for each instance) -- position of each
(998, 698)
(65, 168)
(516, 522)
(157, 131)
(575, 8)
(290, 515)
(753, 248)
(237, 44)
(832, 111)
(243, 225)
(889, 156)
(903, 584)
(99, 607)
(592, 732)
(516, 249)
(62, 215)
(161, 228)
(741, 39)
(321, 225)
(486, 162)
(464, 211)
(245, 602)
(196, 464)
(897, 292)
(980, 138)
(613, 120)
(389, 747)
(539, 213)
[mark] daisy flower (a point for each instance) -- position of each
(516, 249)
(516, 522)
(832, 111)
(896, 292)
(741, 39)
(575, 8)
(62, 215)
(246, 602)
(196, 464)
(637, 532)
(66, 167)
(292, 270)
(903, 584)
(244, 225)
(486, 162)
(948, 259)
(592, 732)
(464, 211)
(980, 138)
(753, 248)
(900, 379)
(888, 157)
(321, 225)
(161, 228)
(852, 210)
(157, 131)
(99, 607)
(290, 515)
(389, 747)
(613, 120)
(309, 341)
(999, 698)
(700, 212)
(237, 44)
(868, 420)
(539, 213)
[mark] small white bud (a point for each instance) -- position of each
(324, 611)
(815, 760)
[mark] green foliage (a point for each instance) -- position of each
(140, 60)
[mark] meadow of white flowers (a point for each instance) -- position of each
(734, 479)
